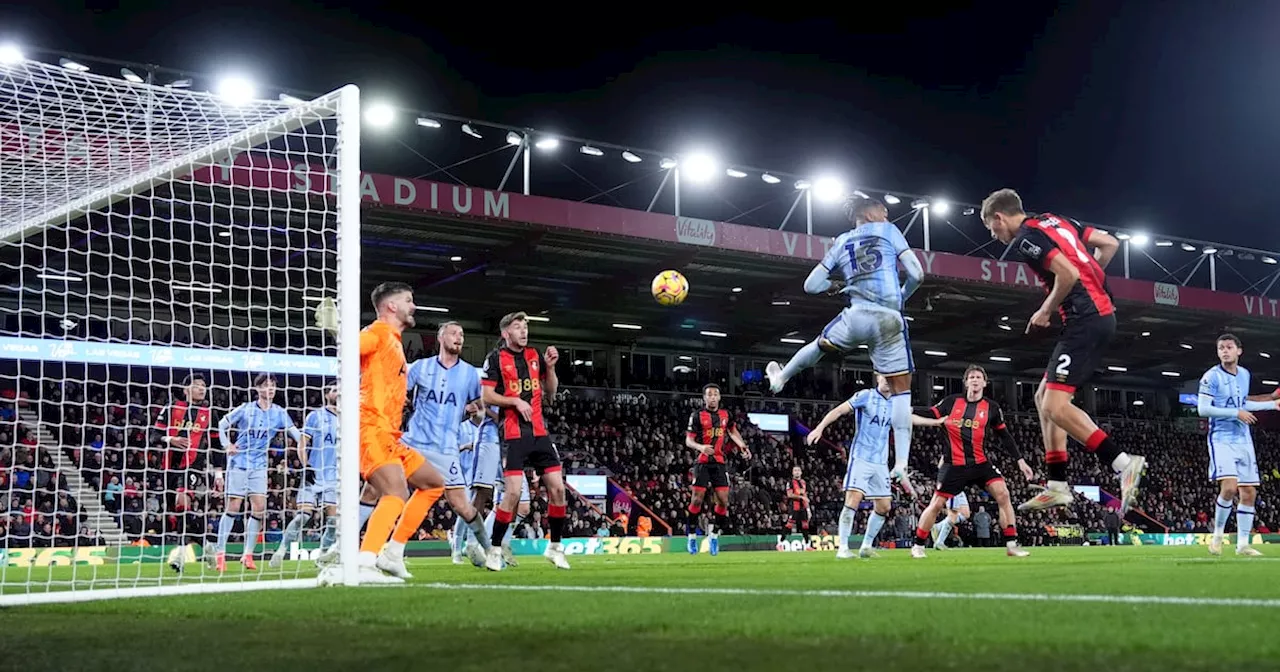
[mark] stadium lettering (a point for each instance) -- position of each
(696, 231)
(1257, 305)
(406, 193)
(999, 271)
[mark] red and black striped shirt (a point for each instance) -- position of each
(969, 426)
(517, 373)
(710, 428)
(187, 421)
(798, 487)
(1043, 237)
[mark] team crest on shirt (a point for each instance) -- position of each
(1029, 248)
(533, 366)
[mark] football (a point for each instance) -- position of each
(670, 288)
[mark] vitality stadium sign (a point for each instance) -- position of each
(471, 203)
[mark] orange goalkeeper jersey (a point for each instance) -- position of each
(382, 378)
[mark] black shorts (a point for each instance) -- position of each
(800, 517)
(1079, 352)
(952, 479)
(537, 453)
(711, 475)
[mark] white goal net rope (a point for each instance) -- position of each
(161, 250)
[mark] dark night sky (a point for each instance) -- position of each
(1159, 114)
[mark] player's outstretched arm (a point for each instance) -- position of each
(920, 421)
(1206, 409)
(1106, 244)
(832, 415)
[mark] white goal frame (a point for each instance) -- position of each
(343, 105)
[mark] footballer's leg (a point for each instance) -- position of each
(874, 522)
(832, 341)
(228, 520)
(1247, 469)
(721, 511)
(255, 523)
(1008, 523)
(697, 493)
(428, 486)
(557, 507)
(504, 512)
(294, 529)
(927, 518)
(848, 516)
(1058, 492)
(457, 498)
(389, 481)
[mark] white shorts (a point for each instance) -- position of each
(869, 478)
(318, 494)
(1233, 460)
(960, 501)
(449, 466)
(488, 467)
(245, 482)
(883, 331)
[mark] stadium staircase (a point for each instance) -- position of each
(95, 514)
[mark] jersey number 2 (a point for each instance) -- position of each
(866, 258)
(1064, 366)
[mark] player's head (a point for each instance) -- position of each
(196, 388)
(882, 384)
(796, 471)
(975, 379)
(393, 302)
(1229, 349)
(515, 329)
(862, 209)
(1002, 214)
(265, 384)
(450, 338)
(331, 394)
(711, 396)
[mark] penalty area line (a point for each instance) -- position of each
(1159, 600)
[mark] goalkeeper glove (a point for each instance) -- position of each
(327, 316)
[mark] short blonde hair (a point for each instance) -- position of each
(1004, 201)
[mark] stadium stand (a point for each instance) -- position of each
(65, 443)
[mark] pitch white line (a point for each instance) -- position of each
(910, 595)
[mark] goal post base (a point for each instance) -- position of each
(64, 596)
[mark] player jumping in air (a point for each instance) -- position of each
(706, 433)
(798, 499)
(386, 463)
(1225, 400)
(867, 475)
(256, 424)
(1058, 250)
(970, 419)
(320, 477)
(445, 391)
(519, 380)
(867, 257)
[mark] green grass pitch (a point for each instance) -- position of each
(1096, 609)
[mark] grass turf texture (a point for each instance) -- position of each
(781, 627)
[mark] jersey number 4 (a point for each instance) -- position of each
(866, 258)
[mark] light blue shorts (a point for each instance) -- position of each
(869, 478)
(883, 331)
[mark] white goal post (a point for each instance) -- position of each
(162, 255)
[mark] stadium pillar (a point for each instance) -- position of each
(615, 363)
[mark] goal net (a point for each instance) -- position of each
(163, 253)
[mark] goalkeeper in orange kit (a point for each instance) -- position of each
(386, 464)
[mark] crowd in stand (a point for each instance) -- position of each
(104, 429)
